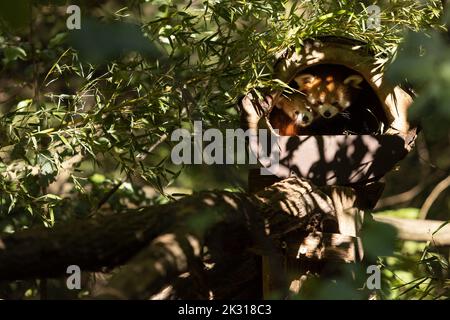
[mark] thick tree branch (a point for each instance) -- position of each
(162, 242)
(112, 240)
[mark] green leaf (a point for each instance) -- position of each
(14, 53)
(24, 104)
(64, 140)
(97, 178)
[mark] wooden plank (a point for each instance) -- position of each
(337, 160)
(326, 246)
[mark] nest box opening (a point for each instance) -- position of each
(323, 104)
(340, 123)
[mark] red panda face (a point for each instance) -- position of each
(328, 93)
(297, 108)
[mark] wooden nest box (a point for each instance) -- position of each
(356, 146)
(339, 151)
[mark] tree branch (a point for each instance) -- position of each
(112, 240)
(160, 243)
(440, 187)
(418, 230)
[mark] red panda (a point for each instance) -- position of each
(296, 113)
(324, 91)
(329, 89)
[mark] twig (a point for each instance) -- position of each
(401, 197)
(116, 187)
(441, 186)
(157, 143)
(109, 194)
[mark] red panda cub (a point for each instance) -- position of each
(329, 89)
(324, 91)
(296, 113)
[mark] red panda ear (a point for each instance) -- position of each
(304, 79)
(354, 81)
